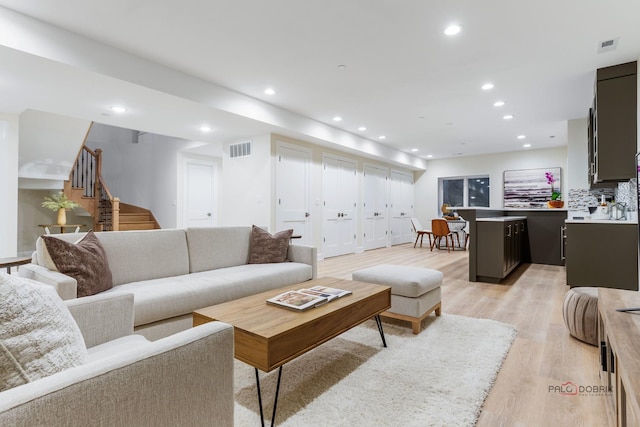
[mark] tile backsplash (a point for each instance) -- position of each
(580, 199)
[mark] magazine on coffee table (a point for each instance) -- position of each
(297, 300)
(327, 292)
(305, 299)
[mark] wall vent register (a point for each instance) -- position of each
(240, 149)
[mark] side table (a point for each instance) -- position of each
(13, 262)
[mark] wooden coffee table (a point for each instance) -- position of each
(266, 336)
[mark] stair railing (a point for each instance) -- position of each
(86, 174)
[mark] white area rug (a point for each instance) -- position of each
(437, 378)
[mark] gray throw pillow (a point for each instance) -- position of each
(38, 335)
(85, 261)
(266, 248)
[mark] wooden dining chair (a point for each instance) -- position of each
(420, 232)
(440, 229)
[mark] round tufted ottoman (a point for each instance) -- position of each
(580, 313)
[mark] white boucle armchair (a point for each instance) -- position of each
(184, 379)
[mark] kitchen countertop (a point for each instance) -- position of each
(600, 221)
(514, 209)
(501, 219)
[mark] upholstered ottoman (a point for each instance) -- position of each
(580, 313)
(415, 291)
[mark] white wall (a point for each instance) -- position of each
(494, 165)
(246, 188)
(577, 154)
(9, 185)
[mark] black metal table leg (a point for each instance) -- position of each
(275, 401)
(259, 397)
(379, 323)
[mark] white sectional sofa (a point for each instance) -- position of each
(172, 272)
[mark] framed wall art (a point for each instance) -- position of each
(532, 188)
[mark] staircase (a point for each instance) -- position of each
(86, 187)
(136, 218)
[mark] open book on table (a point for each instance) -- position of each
(305, 299)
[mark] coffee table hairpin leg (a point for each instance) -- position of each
(275, 401)
(379, 323)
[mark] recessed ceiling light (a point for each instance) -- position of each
(205, 128)
(452, 29)
(527, 145)
(429, 155)
(498, 103)
(508, 117)
(487, 86)
(522, 136)
(362, 128)
(269, 91)
(382, 137)
(342, 67)
(118, 109)
(337, 119)
(414, 149)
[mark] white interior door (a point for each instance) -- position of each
(199, 193)
(293, 177)
(401, 197)
(374, 209)
(339, 188)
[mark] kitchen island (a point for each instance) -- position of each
(541, 241)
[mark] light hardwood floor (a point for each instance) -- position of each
(542, 356)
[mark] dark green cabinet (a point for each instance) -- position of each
(602, 255)
(500, 248)
(612, 132)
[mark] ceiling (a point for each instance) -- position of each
(382, 64)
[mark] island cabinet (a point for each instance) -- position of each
(602, 254)
(612, 136)
(501, 243)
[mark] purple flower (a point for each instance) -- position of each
(550, 178)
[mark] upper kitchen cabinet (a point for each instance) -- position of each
(613, 125)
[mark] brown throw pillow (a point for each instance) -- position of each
(266, 248)
(85, 261)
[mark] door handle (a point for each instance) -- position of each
(307, 214)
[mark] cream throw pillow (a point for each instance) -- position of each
(38, 335)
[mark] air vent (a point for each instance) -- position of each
(608, 45)
(240, 149)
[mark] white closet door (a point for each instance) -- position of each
(293, 176)
(339, 188)
(199, 193)
(375, 223)
(401, 196)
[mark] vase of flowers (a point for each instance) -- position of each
(59, 202)
(556, 196)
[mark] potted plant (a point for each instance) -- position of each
(556, 196)
(59, 202)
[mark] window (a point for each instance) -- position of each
(470, 191)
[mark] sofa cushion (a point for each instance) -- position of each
(169, 297)
(144, 255)
(85, 261)
(265, 247)
(217, 247)
(38, 336)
